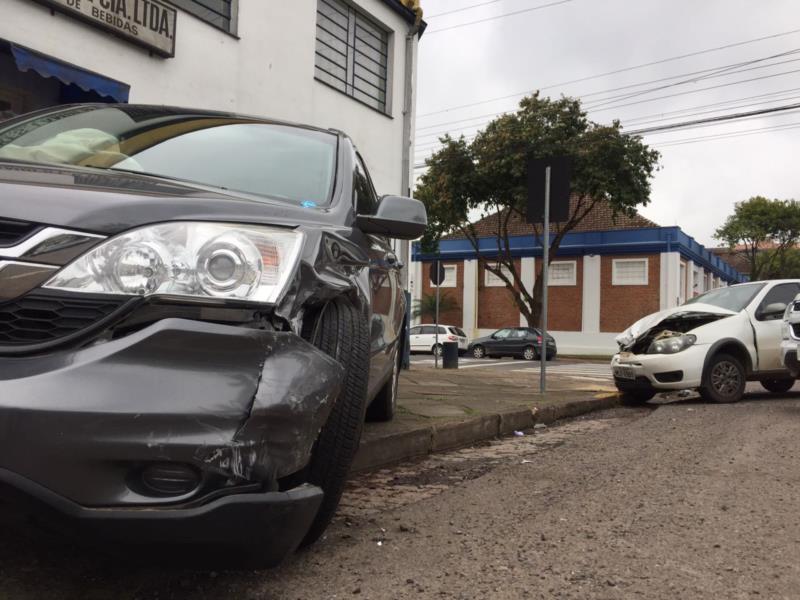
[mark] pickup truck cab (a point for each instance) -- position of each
(713, 343)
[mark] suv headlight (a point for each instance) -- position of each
(672, 344)
(194, 259)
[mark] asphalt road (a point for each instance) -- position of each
(686, 500)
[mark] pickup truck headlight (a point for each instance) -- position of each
(192, 259)
(672, 344)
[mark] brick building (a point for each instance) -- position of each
(608, 272)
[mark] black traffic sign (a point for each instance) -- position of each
(437, 272)
(560, 174)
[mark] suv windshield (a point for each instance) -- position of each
(733, 298)
(223, 151)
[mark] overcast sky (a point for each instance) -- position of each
(698, 182)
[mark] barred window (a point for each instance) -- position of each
(629, 271)
(492, 280)
(219, 13)
(352, 53)
(562, 273)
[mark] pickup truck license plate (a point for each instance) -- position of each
(624, 373)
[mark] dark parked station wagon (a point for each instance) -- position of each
(197, 312)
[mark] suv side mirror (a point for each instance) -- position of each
(396, 217)
(774, 310)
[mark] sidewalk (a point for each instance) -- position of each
(441, 409)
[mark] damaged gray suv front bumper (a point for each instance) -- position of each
(181, 432)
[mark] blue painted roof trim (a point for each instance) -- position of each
(648, 240)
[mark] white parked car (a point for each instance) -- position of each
(714, 343)
(423, 338)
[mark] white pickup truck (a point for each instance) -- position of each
(714, 343)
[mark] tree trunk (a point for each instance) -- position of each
(535, 319)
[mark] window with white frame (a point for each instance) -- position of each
(563, 272)
(629, 271)
(492, 280)
(450, 276)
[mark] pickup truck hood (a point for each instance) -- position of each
(645, 324)
(108, 202)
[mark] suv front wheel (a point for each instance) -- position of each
(723, 380)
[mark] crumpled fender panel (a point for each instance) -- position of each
(214, 396)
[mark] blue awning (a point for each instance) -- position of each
(66, 73)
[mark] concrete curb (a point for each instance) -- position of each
(394, 448)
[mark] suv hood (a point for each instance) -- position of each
(702, 313)
(108, 202)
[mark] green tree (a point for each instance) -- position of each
(426, 306)
(767, 231)
(488, 176)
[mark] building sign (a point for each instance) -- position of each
(149, 23)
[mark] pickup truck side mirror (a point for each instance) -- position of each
(773, 310)
(397, 217)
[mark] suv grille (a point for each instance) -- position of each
(796, 329)
(36, 319)
(13, 231)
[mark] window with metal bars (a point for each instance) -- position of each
(352, 53)
(219, 13)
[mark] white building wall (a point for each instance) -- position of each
(469, 301)
(590, 317)
(670, 286)
(267, 71)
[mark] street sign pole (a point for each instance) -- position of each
(436, 327)
(545, 273)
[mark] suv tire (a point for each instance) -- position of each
(341, 331)
(723, 380)
(777, 386)
(478, 352)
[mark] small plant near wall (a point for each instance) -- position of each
(425, 308)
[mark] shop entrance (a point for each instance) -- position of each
(30, 80)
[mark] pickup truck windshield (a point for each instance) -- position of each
(234, 153)
(733, 298)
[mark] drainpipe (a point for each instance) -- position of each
(408, 110)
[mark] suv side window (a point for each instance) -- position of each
(415, 331)
(428, 330)
(365, 200)
(502, 334)
(519, 334)
(783, 293)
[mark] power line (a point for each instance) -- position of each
(712, 87)
(458, 10)
(705, 89)
(698, 139)
(721, 72)
(511, 14)
(709, 121)
(728, 135)
(714, 120)
(615, 72)
(663, 115)
(712, 73)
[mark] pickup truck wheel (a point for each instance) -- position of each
(383, 407)
(478, 352)
(777, 386)
(342, 332)
(724, 379)
(635, 397)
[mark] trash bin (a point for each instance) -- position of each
(450, 355)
